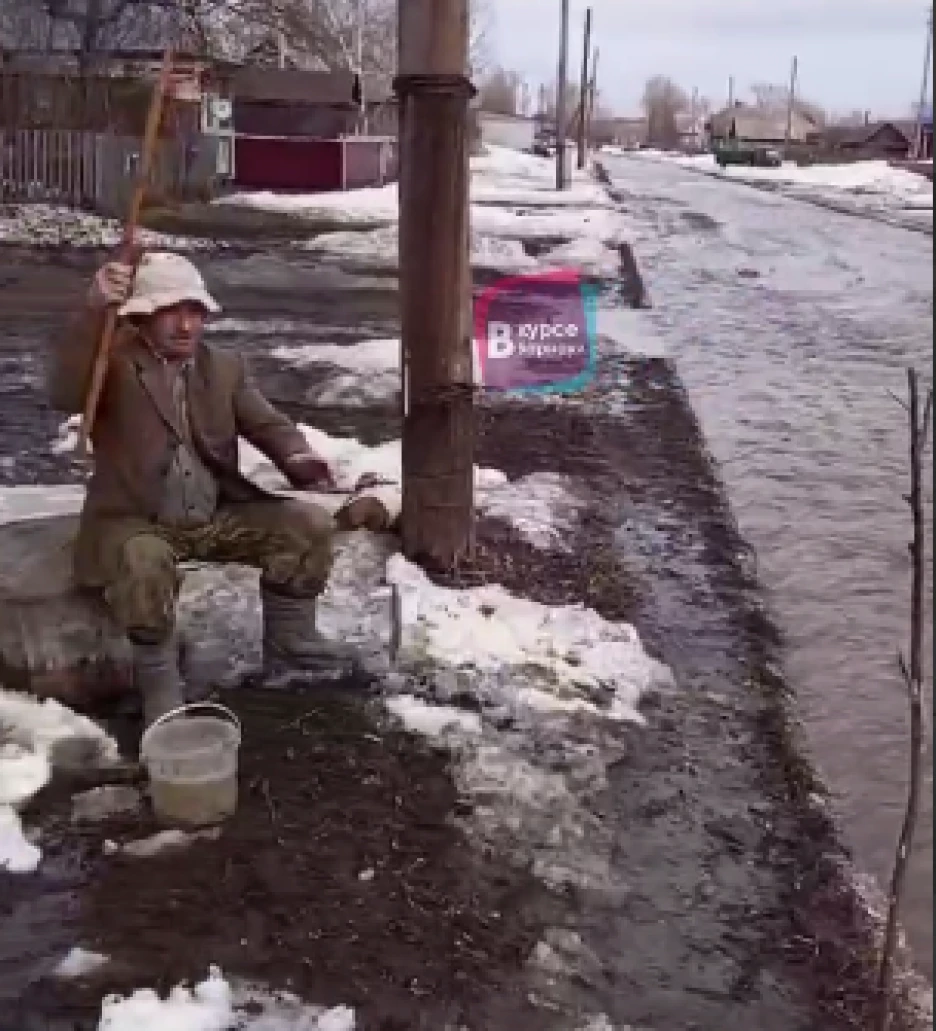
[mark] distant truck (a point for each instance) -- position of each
(733, 152)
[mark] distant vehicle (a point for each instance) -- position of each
(545, 147)
(730, 152)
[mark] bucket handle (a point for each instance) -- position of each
(172, 714)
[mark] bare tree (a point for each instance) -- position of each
(663, 101)
(479, 36)
(919, 412)
(774, 98)
(500, 92)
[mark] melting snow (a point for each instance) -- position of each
(873, 180)
(568, 651)
(80, 963)
(29, 730)
(214, 1005)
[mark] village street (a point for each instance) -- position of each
(503, 837)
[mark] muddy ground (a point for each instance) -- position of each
(734, 911)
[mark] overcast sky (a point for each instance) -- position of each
(853, 54)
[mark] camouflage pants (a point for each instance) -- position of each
(289, 541)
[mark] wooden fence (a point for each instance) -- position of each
(98, 170)
(50, 165)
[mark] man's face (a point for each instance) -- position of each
(177, 331)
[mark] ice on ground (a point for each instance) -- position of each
(215, 1005)
(29, 731)
(874, 180)
(80, 963)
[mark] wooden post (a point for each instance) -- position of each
(592, 92)
(917, 151)
(583, 90)
(791, 107)
(435, 282)
(562, 78)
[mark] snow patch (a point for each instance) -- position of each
(567, 651)
(865, 182)
(541, 506)
(29, 731)
(80, 963)
(434, 721)
(214, 1005)
(50, 225)
(375, 206)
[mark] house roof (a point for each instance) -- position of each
(287, 85)
(858, 135)
(752, 123)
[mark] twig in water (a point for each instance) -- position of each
(912, 674)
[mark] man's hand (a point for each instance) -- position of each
(113, 282)
(307, 471)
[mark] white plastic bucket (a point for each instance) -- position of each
(192, 764)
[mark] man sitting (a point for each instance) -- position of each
(166, 486)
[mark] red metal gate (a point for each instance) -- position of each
(312, 165)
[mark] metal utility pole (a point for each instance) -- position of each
(730, 91)
(693, 115)
(583, 90)
(562, 96)
(924, 85)
(435, 281)
(791, 102)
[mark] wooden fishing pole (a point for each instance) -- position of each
(150, 139)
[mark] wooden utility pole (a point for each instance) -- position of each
(928, 53)
(791, 106)
(435, 281)
(562, 96)
(359, 15)
(694, 114)
(583, 90)
(592, 92)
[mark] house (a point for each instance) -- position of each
(892, 140)
(517, 132)
(691, 130)
(290, 102)
(626, 132)
(748, 124)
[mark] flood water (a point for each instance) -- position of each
(792, 327)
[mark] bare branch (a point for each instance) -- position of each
(912, 673)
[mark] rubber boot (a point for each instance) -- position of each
(292, 642)
(157, 678)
